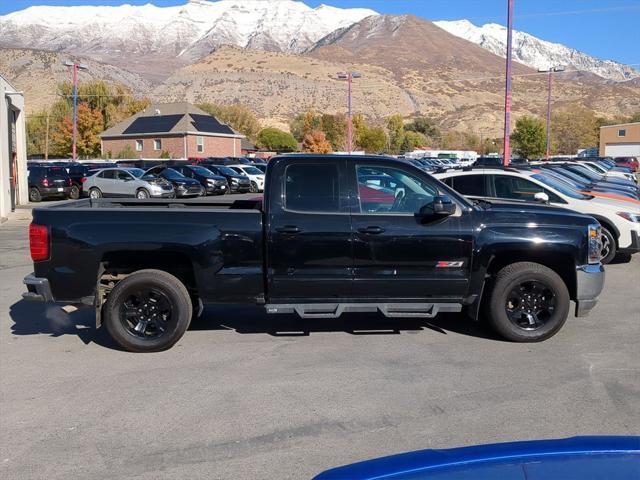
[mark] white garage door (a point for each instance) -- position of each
(622, 150)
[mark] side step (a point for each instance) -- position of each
(334, 310)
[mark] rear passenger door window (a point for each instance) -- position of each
(312, 188)
(471, 185)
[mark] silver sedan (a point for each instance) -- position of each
(126, 182)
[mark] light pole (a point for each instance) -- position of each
(349, 76)
(549, 71)
(507, 91)
(75, 67)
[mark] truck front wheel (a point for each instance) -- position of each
(148, 311)
(528, 302)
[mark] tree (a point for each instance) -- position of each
(316, 142)
(36, 132)
(395, 125)
(305, 123)
(572, 128)
(335, 129)
(426, 126)
(373, 140)
(238, 117)
(529, 137)
(90, 123)
(456, 140)
(413, 140)
(277, 140)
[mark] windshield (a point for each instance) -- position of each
(226, 170)
(171, 174)
(560, 187)
(579, 185)
(136, 172)
(251, 171)
(581, 170)
(202, 171)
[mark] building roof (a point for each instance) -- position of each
(245, 144)
(620, 125)
(170, 118)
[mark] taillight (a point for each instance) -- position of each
(83, 179)
(45, 182)
(70, 182)
(38, 242)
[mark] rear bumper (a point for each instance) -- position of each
(53, 191)
(589, 284)
(38, 289)
(634, 247)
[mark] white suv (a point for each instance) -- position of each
(255, 175)
(620, 219)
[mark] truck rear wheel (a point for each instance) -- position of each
(148, 311)
(528, 302)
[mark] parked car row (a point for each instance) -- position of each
(145, 178)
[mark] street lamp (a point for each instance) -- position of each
(549, 71)
(507, 89)
(349, 76)
(75, 67)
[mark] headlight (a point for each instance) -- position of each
(234, 180)
(595, 243)
(632, 217)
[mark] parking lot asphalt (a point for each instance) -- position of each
(248, 396)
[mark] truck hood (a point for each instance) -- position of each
(529, 215)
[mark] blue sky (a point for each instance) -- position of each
(603, 28)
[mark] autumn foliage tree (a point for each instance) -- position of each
(572, 128)
(90, 124)
(316, 142)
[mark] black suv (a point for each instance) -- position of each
(48, 182)
(185, 187)
(213, 184)
(237, 183)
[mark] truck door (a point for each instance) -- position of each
(397, 254)
(308, 231)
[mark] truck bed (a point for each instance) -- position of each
(215, 244)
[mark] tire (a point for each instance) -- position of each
(142, 194)
(535, 283)
(609, 249)
(34, 195)
(74, 194)
(95, 193)
(165, 293)
(254, 187)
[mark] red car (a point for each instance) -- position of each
(629, 162)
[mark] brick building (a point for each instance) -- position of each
(180, 130)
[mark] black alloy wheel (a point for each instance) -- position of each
(146, 313)
(530, 305)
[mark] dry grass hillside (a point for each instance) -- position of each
(37, 73)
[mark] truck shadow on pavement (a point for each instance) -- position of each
(246, 320)
(33, 318)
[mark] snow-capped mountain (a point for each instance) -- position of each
(534, 52)
(188, 31)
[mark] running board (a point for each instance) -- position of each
(334, 310)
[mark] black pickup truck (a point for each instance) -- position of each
(332, 234)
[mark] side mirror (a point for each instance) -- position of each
(442, 206)
(541, 197)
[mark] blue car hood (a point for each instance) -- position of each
(578, 458)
